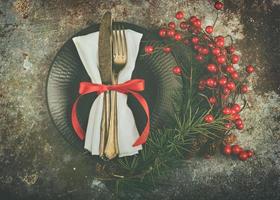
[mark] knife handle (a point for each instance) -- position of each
(104, 123)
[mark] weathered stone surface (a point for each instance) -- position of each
(36, 162)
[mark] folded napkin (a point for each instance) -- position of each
(87, 47)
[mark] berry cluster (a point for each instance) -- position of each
(223, 79)
(222, 83)
(238, 151)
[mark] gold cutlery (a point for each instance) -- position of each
(105, 69)
(119, 62)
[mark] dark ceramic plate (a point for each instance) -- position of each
(67, 71)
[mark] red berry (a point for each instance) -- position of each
(162, 32)
(183, 25)
(243, 156)
(199, 58)
(197, 23)
(210, 82)
(218, 5)
(227, 149)
(219, 38)
(238, 122)
(166, 49)
(179, 15)
(236, 107)
(231, 85)
(195, 40)
(149, 49)
(230, 69)
(210, 45)
(244, 89)
(228, 125)
(213, 100)
(250, 153)
(223, 81)
(212, 68)
(234, 58)
(236, 149)
(196, 47)
(209, 29)
(234, 75)
(193, 18)
(221, 59)
(226, 91)
(231, 49)
(233, 111)
(170, 33)
(250, 69)
(177, 36)
(234, 117)
(204, 51)
(177, 70)
(240, 126)
(220, 43)
(209, 118)
(226, 111)
(171, 25)
(216, 51)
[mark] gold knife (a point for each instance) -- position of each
(105, 69)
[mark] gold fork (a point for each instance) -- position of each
(119, 62)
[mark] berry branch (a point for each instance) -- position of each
(212, 87)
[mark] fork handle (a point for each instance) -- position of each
(116, 124)
(112, 149)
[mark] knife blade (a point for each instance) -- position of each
(105, 49)
(105, 69)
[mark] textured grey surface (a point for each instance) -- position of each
(36, 162)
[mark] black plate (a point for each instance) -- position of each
(67, 71)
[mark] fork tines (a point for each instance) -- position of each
(119, 43)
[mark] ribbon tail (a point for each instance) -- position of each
(75, 122)
(145, 133)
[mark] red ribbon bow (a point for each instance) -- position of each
(131, 86)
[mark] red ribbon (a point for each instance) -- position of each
(131, 86)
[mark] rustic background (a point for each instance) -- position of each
(36, 162)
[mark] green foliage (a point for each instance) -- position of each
(167, 148)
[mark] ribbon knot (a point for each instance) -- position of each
(102, 88)
(131, 86)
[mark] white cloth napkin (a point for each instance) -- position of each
(87, 47)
